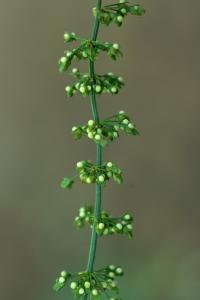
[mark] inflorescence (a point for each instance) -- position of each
(106, 224)
(93, 284)
(92, 173)
(107, 130)
(116, 12)
(90, 284)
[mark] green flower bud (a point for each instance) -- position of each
(80, 164)
(88, 180)
(75, 71)
(82, 90)
(81, 291)
(113, 90)
(91, 123)
(112, 267)
(129, 226)
(127, 217)
(116, 46)
(63, 273)
(97, 137)
(101, 226)
(130, 125)
(74, 128)
(101, 178)
(109, 164)
(63, 59)
(120, 20)
(125, 121)
(119, 271)
(87, 284)
(111, 274)
(98, 89)
(119, 226)
(94, 292)
(90, 135)
(61, 280)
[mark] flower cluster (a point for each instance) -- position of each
(93, 284)
(92, 173)
(108, 129)
(61, 281)
(106, 224)
(88, 49)
(116, 12)
(109, 83)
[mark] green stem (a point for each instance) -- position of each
(97, 211)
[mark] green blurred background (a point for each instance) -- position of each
(161, 167)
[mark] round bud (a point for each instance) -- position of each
(120, 79)
(82, 89)
(130, 125)
(68, 89)
(84, 54)
(125, 121)
(74, 70)
(94, 292)
(113, 284)
(123, 10)
(101, 226)
(82, 213)
(89, 87)
(73, 285)
(81, 291)
(61, 280)
(121, 112)
(109, 164)
(119, 271)
(111, 274)
(90, 135)
(110, 74)
(66, 36)
(98, 88)
(104, 285)
(63, 273)
(91, 123)
(89, 180)
(127, 217)
(113, 90)
(112, 267)
(79, 164)
(101, 178)
(87, 284)
(99, 130)
(116, 46)
(119, 226)
(74, 128)
(69, 53)
(129, 226)
(63, 60)
(120, 20)
(97, 137)
(122, 1)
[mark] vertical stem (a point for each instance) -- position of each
(97, 211)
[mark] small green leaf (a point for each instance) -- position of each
(66, 183)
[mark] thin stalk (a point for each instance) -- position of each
(97, 211)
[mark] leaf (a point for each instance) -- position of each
(66, 183)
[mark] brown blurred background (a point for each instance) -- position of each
(161, 168)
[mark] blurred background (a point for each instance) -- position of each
(161, 167)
